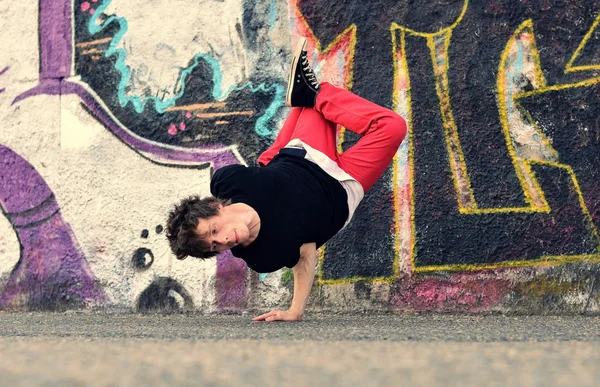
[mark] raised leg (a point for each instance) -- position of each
(382, 129)
(309, 126)
(283, 137)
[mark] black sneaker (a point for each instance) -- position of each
(303, 86)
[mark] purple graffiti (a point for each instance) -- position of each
(46, 87)
(52, 271)
(55, 39)
(231, 282)
(216, 155)
(56, 47)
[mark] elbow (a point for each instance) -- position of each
(308, 254)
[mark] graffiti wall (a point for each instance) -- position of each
(113, 110)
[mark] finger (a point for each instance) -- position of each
(263, 316)
(275, 317)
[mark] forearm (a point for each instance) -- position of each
(304, 274)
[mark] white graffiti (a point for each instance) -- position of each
(163, 37)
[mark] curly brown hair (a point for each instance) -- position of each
(182, 222)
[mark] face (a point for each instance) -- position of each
(223, 231)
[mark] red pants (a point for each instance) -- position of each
(382, 131)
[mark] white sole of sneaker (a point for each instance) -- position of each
(300, 46)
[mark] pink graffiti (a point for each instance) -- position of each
(92, 11)
(182, 126)
(172, 130)
(188, 115)
(85, 6)
(463, 293)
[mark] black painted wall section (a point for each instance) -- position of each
(443, 236)
(590, 53)
(446, 237)
(475, 53)
(570, 117)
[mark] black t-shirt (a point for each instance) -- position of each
(297, 203)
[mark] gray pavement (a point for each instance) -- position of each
(81, 349)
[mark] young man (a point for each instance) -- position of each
(303, 191)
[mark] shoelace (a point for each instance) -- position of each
(308, 72)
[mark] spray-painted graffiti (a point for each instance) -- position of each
(166, 168)
(477, 200)
(499, 169)
(175, 84)
(52, 271)
(186, 86)
(109, 195)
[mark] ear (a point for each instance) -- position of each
(220, 207)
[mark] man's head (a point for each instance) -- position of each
(202, 227)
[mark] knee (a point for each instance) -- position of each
(395, 128)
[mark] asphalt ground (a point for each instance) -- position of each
(97, 349)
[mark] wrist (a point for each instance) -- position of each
(296, 311)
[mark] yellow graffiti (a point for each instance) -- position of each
(534, 195)
(350, 34)
(408, 118)
(570, 68)
(460, 175)
(455, 153)
(549, 260)
(521, 168)
(542, 261)
(588, 82)
(442, 31)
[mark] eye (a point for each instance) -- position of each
(214, 231)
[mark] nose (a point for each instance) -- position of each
(222, 240)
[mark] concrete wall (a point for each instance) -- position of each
(112, 110)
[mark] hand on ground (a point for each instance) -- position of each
(278, 315)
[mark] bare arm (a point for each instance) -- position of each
(304, 274)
